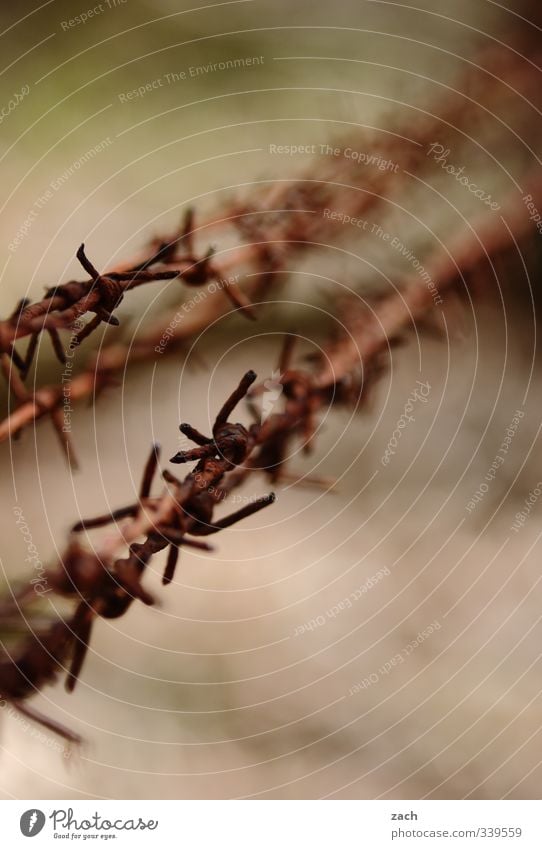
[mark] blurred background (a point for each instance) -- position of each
(252, 677)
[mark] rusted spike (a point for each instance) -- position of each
(58, 348)
(223, 415)
(327, 484)
(29, 356)
(172, 558)
(239, 300)
(200, 453)
(107, 317)
(106, 518)
(187, 229)
(194, 435)
(130, 582)
(50, 724)
(165, 253)
(82, 629)
(85, 331)
(167, 476)
(285, 356)
(57, 417)
(86, 263)
(17, 387)
(200, 270)
(16, 358)
(178, 537)
(150, 471)
(233, 518)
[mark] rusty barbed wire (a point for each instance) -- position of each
(275, 228)
(446, 266)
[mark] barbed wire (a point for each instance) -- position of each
(273, 228)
